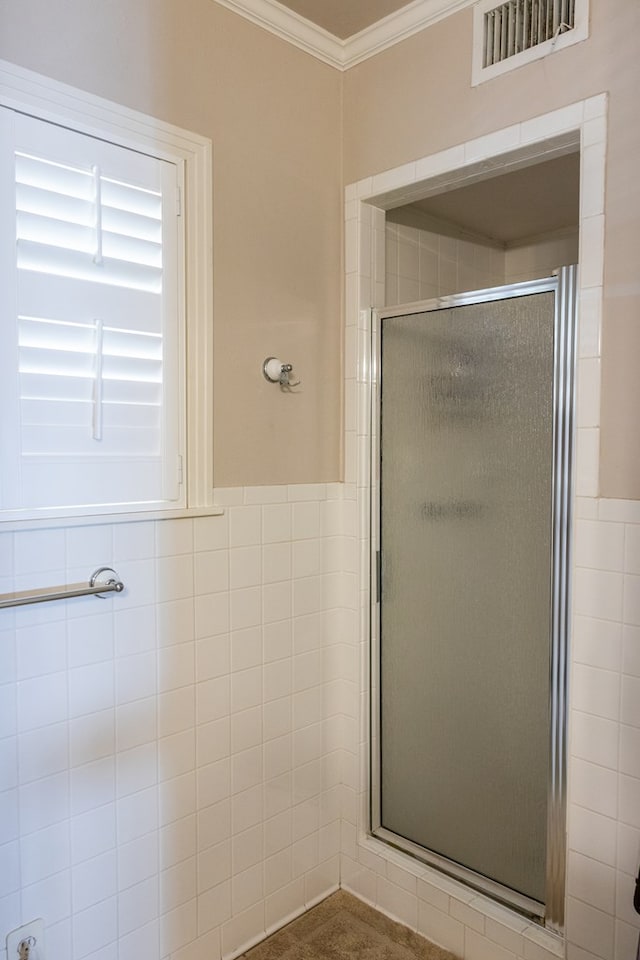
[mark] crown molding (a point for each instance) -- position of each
(290, 26)
(342, 54)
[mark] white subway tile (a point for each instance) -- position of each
(631, 611)
(176, 754)
(174, 537)
(600, 545)
(177, 841)
(245, 608)
(90, 640)
(592, 834)
(214, 866)
(593, 787)
(276, 523)
(42, 701)
(212, 699)
(135, 677)
(37, 551)
(177, 798)
(133, 541)
(478, 947)
(596, 691)
(590, 928)
(50, 897)
(93, 833)
(244, 526)
(276, 601)
(176, 667)
(598, 594)
(245, 567)
(595, 739)
(440, 928)
(136, 769)
(214, 826)
(243, 930)
(134, 630)
(93, 881)
(137, 814)
(178, 928)
(597, 643)
(41, 650)
(591, 881)
(91, 688)
(631, 650)
(630, 705)
(176, 712)
(214, 907)
(306, 521)
(92, 737)
(44, 853)
(211, 571)
(92, 785)
(211, 533)
(629, 751)
(276, 562)
(138, 905)
(212, 741)
(246, 769)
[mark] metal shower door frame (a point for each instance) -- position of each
(563, 285)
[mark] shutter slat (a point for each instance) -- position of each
(122, 196)
(71, 441)
(54, 177)
(78, 414)
(43, 258)
(73, 300)
(55, 205)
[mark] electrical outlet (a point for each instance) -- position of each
(27, 942)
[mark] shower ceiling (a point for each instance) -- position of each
(536, 200)
(343, 18)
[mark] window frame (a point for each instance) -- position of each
(50, 100)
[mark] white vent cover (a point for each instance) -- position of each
(515, 32)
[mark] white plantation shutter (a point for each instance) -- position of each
(91, 345)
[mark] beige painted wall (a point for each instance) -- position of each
(273, 114)
(415, 99)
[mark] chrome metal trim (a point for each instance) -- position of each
(505, 895)
(564, 428)
(564, 285)
(99, 585)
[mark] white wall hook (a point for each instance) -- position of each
(275, 371)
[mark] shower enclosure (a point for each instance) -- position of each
(472, 435)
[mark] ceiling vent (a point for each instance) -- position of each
(508, 35)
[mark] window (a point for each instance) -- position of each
(95, 341)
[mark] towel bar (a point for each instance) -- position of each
(99, 584)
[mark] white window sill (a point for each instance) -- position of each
(95, 519)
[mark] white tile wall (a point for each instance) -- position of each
(169, 765)
(604, 771)
(421, 264)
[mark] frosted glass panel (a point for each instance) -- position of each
(465, 537)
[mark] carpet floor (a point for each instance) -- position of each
(341, 928)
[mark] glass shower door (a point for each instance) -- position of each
(467, 537)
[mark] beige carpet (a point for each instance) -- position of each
(343, 927)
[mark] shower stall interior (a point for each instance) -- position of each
(472, 432)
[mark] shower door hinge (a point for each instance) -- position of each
(378, 575)
(178, 201)
(180, 470)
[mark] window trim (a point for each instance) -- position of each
(26, 91)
